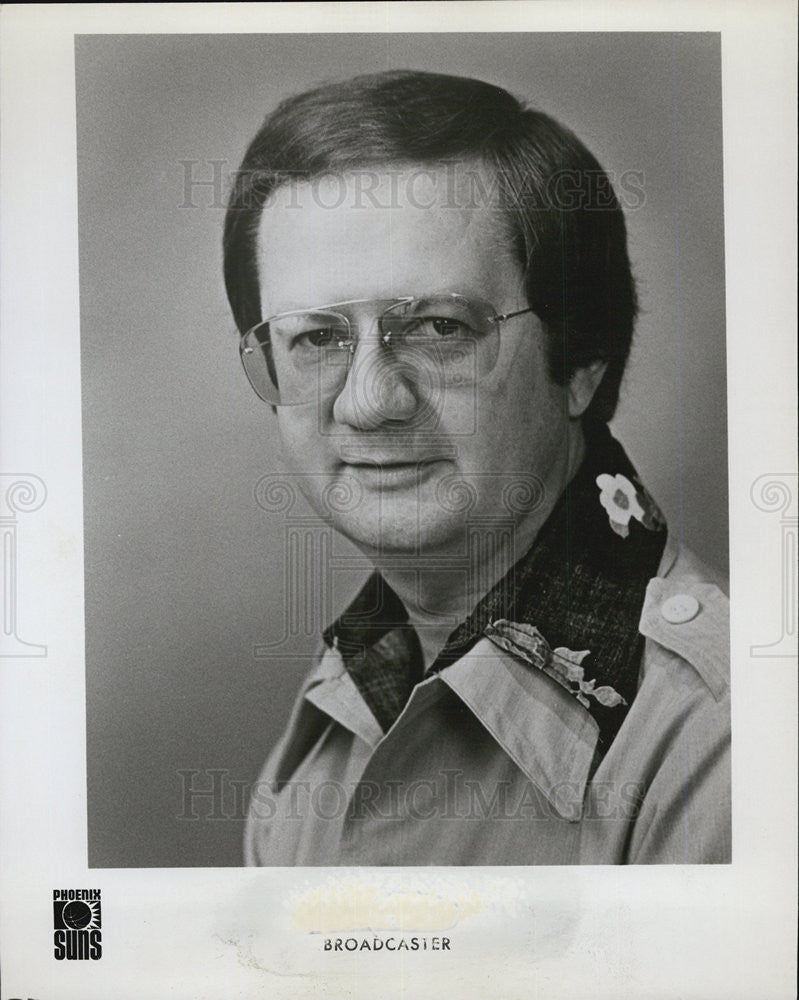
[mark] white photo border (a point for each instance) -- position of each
(704, 931)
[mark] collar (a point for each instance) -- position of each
(380, 650)
(546, 733)
(570, 607)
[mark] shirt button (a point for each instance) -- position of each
(680, 609)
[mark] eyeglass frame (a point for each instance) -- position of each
(352, 341)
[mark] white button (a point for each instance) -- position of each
(680, 609)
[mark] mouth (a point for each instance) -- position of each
(392, 472)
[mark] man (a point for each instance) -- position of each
(435, 297)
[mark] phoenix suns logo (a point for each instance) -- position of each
(77, 919)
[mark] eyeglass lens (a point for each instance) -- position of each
(435, 342)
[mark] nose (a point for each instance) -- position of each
(378, 390)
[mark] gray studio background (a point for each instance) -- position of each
(184, 570)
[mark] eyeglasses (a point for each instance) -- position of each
(439, 341)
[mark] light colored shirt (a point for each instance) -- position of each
(493, 763)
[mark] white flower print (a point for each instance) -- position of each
(620, 499)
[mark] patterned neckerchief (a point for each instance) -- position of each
(570, 606)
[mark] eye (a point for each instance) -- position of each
(308, 331)
(316, 338)
(446, 327)
(322, 337)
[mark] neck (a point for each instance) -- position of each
(437, 600)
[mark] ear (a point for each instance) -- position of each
(583, 385)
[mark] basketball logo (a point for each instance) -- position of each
(77, 919)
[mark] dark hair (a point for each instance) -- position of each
(566, 223)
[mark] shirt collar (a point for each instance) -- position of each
(548, 735)
(380, 651)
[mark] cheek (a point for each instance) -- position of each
(522, 426)
(290, 433)
(304, 456)
(302, 444)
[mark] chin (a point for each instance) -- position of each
(401, 532)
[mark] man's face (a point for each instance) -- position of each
(411, 458)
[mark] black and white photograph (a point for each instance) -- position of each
(398, 500)
(435, 521)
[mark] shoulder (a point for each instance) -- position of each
(686, 618)
(680, 563)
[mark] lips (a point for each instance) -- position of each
(390, 472)
(390, 463)
(386, 452)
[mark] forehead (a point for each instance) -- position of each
(379, 233)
